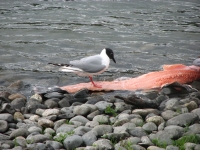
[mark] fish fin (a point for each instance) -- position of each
(174, 67)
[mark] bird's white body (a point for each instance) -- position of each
(89, 66)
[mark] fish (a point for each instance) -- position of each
(153, 80)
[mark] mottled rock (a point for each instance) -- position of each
(72, 142)
(21, 141)
(16, 95)
(36, 97)
(81, 130)
(103, 144)
(49, 112)
(18, 115)
(174, 131)
(93, 114)
(172, 103)
(155, 119)
(34, 129)
(168, 114)
(51, 103)
(195, 128)
(121, 106)
(81, 110)
(155, 148)
(34, 118)
(32, 105)
(137, 121)
(64, 128)
(54, 95)
(58, 123)
(18, 103)
(54, 144)
(38, 138)
(92, 124)
(197, 112)
(129, 125)
(149, 127)
(161, 136)
(191, 105)
(64, 102)
(101, 119)
(120, 122)
(120, 129)
(172, 147)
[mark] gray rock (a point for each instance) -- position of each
(64, 102)
(137, 121)
(197, 147)
(7, 108)
(172, 104)
(161, 126)
(18, 115)
(116, 136)
(182, 119)
(120, 122)
(34, 129)
(72, 142)
(89, 138)
(19, 132)
(49, 112)
(21, 141)
(39, 111)
(174, 131)
(15, 96)
(92, 124)
(191, 105)
(145, 112)
(7, 117)
(3, 126)
(51, 103)
(93, 114)
(38, 138)
(58, 123)
(4, 137)
(102, 105)
(102, 129)
(172, 147)
(129, 125)
(155, 148)
(49, 131)
(149, 127)
(137, 132)
(46, 123)
(81, 130)
(54, 95)
(90, 148)
(121, 106)
(33, 104)
(195, 128)
(51, 117)
(101, 119)
(162, 137)
(64, 128)
(168, 114)
(146, 141)
(138, 147)
(66, 113)
(197, 112)
(81, 119)
(39, 146)
(18, 103)
(120, 129)
(189, 146)
(54, 144)
(81, 110)
(103, 144)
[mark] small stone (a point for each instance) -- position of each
(197, 112)
(171, 147)
(46, 123)
(81, 119)
(195, 128)
(18, 115)
(81, 130)
(168, 114)
(120, 122)
(129, 125)
(103, 144)
(102, 105)
(17, 95)
(172, 103)
(64, 102)
(49, 130)
(58, 123)
(32, 105)
(72, 142)
(36, 97)
(149, 127)
(3, 126)
(89, 138)
(49, 112)
(81, 110)
(182, 119)
(54, 95)
(17, 85)
(102, 129)
(38, 138)
(155, 119)
(92, 124)
(18, 103)
(191, 105)
(54, 144)
(189, 146)
(93, 114)
(121, 106)
(174, 131)
(34, 129)
(101, 119)
(145, 112)
(155, 148)
(21, 141)
(137, 132)
(19, 132)
(137, 121)
(7, 117)
(51, 104)
(64, 128)
(34, 118)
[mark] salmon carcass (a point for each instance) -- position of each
(170, 73)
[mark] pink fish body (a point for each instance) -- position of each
(170, 73)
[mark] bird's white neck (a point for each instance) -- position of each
(106, 59)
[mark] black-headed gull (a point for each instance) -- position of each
(89, 66)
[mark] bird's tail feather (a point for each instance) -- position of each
(69, 69)
(66, 65)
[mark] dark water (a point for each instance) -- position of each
(144, 35)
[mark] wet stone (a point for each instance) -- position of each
(36, 97)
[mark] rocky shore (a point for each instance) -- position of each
(121, 120)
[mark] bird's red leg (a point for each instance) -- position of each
(98, 86)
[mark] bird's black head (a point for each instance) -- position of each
(110, 54)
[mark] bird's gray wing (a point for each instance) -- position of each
(90, 64)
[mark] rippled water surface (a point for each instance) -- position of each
(143, 34)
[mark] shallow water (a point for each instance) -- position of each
(143, 34)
